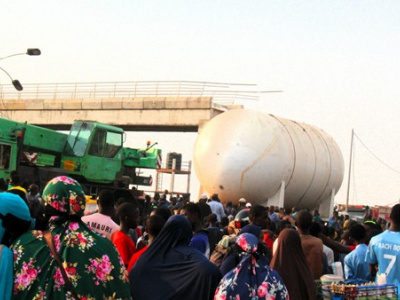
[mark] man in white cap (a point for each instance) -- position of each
(204, 197)
(205, 209)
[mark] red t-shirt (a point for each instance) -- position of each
(352, 247)
(138, 232)
(268, 241)
(136, 256)
(125, 245)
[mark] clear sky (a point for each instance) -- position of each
(335, 61)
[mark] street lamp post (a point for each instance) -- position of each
(15, 82)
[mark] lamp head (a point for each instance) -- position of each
(33, 51)
(17, 85)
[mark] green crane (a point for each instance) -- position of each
(92, 153)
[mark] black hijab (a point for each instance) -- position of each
(170, 269)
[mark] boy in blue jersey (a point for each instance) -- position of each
(355, 266)
(384, 250)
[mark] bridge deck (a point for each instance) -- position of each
(161, 106)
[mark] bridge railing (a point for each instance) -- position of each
(222, 93)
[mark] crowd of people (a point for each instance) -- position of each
(167, 247)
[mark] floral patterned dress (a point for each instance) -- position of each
(251, 280)
(90, 261)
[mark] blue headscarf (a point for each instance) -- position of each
(233, 258)
(250, 280)
(170, 269)
(14, 220)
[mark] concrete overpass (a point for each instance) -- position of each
(138, 106)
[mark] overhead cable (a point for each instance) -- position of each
(376, 157)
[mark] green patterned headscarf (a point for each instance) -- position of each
(91, 261)
(64, 199)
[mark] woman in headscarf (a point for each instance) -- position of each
(15, 219)
(233, 257)
(289, 261)
(91, 266)
(170, 269)
(251, 279)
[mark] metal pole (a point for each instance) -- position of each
(172, 176)
(350, 163)
(188, 178)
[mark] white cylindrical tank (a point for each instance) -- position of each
(263, 158)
